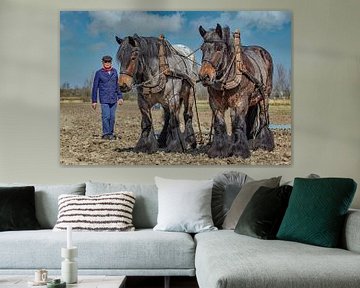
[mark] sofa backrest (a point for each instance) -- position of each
(46, 200)
(146, 203)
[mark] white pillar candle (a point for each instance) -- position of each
(69, 239)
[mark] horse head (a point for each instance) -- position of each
(128, 55)
(216, 50)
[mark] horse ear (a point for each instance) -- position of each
(136, 36)
(202, 31)
(118, 40)
(218, 30)
(132, 41)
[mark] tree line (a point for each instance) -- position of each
(281, 88)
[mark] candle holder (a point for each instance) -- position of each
(68, 265)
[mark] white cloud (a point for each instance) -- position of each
(264, 20)
(127, 23)
(247, 20)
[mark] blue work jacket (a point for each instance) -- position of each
(106, 87)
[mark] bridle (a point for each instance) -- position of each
(225, 81)
(215, 60)
(134, 57)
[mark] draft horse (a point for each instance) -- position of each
(240, 78)
(161, 74)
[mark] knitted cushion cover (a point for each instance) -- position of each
(316, 211)
(105, 212)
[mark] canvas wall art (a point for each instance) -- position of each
(176, 88)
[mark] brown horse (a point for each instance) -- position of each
(240, 78)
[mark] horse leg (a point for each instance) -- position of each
(164, 131)
(147, 142)
(174, 141)
(220, 145)
(189, 134)
(264, 139)
(265, 136)
(240, 145)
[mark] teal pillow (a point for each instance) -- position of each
(316, 211)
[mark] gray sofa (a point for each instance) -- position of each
(218, 258)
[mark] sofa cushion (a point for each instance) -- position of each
(141, 250)
(243, 198)
(350, 239)
(17, 208)
(317, 209)
(105, 212)
(46, 200)
(146, 205)
(184, 205)
(263, 214)
(226, 187)
(225, 259)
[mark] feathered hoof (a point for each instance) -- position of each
(175, 146)
(191, 142)
(242, 154)
(240, 151)
(264, 141)
(146, 146)
(216, 152)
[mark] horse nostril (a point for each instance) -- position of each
(123, 87)
(205, 78)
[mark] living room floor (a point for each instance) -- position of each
(158, 282)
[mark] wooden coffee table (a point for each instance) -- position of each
(84, 281)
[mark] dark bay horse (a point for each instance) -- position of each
(240, 78)
(161, 74)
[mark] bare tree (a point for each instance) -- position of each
(86, 93)
(282, 80)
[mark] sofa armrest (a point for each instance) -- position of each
(351, 234)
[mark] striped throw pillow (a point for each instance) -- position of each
(105, 212)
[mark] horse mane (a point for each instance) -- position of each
(226, 35)
(149, 53)
(149, 47)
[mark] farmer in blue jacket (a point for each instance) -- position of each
(106, 86)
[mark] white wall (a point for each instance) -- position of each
(326, 66)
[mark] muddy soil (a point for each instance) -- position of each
(81, 143)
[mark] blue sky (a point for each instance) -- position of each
(85, 36)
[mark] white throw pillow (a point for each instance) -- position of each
(184, 205)
(105, 212)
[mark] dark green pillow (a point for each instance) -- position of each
(17, 208)
(264, 212)
(316, 211)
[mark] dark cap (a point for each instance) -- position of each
(107, 58)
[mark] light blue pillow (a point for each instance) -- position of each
(184, 205)
(146, 204)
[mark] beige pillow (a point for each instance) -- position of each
(243, 198)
